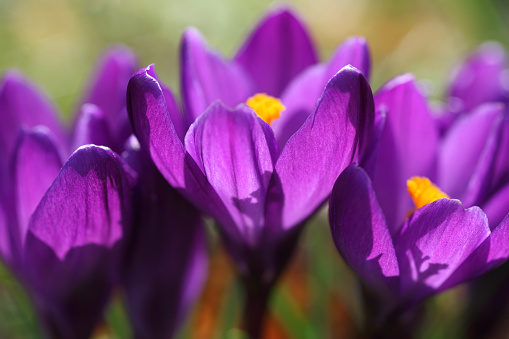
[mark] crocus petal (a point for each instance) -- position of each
(22, 104)
(73, 241)
(167, 260)
(407, 146)
(299, 100)
(480, 78)
(91, 128)
(435, 241)
(301, 94)
(86, 204)
(327, 143)
(236, 151)
(207, 77)
(108, 87)
(278, 49)
(177, 117)
(35, 153)
(153, 127)
(500, 174)
(491, 253)
(360, 232)
(355, 52)
(496, 207)
(461, 148)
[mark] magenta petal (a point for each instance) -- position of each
(460, 151)
(301, 94)
(327, 143)
(35, 153)
(496, 207)
(91, 128)
(22, 104)
(278, 49)
(236, 151)
(480, 78)
(299, 100)
(355, 52)
(108, 87)
(407, 148)
(71, 247)
(436, 240)
(153, 127)
(86, 204)
(206, 76)
(491, 253)
(360, 232)
(167, 260)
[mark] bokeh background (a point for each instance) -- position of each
(56, 43)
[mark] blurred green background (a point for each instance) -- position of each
(57, 42)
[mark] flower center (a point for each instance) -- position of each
(268, 108)
(423, 191)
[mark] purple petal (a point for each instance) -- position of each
(355, 52)
(496, 207)
(480, 78)
(86, 204)
(207, 77)
(360, 232)
(22, 104)
(278, 49)
(153, 127)
(461, 149)
(35, 153)
(176, 115)
(436, 240)
(91, 128)
(301, 94)
(491, 253)
(299, 98)
(236, 151)
(73, 241)
(500, 171)
(327, 143)
(167, 263)
(407, 146)
(108, 87)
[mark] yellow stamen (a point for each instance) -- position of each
(423, 191)
(268, 108)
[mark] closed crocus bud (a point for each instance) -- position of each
(69, 249)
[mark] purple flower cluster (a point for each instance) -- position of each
(259, 143)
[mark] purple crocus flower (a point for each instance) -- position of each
(440, 245)
(229, 165)
(467, 164)
(481, 78)
(62, 227)
(64, 241)
(166, 263)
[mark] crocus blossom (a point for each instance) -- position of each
(462, 163)
(65, 241)
(46, 230)
(439, 246)
(229, 164)
(481, 78)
